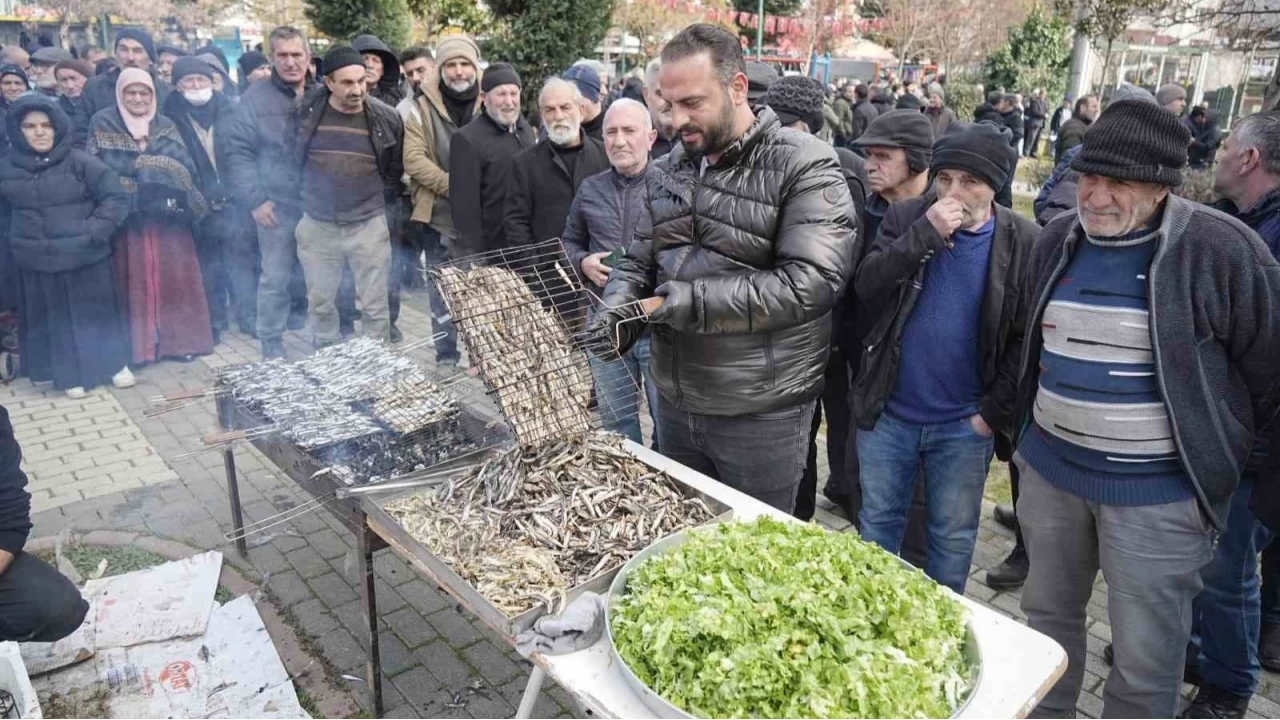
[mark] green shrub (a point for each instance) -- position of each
(963, 98)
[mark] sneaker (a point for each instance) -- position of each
(124, 378)
(1213, 702)
(396, 335)
(1012, 573)
(1190, 670)
(1004, 515)
(1269, 647)
(77, 393)
(272, 349)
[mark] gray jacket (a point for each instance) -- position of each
(1214, 295)
(751, 254)
(603, 215)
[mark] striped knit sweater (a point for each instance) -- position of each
(1101, 428)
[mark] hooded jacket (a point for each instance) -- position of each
(61, 207)
(751, 254)
(892, 276)
(389, 89)
(1214, 295)
(258, 147)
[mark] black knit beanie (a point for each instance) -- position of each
(796, 97)
(341, 56)
(1137, 141)
(499, 73)
(980, 149)
(185, 66)
(909, 102)
(139, 36)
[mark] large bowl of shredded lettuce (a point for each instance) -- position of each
(773, 619)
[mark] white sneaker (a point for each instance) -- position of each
(77, 393)
(124, 378)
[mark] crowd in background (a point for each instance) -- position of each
(761, 253)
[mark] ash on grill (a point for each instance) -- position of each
(533, 522)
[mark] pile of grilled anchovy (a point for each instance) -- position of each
(533, 522)
(521, 347)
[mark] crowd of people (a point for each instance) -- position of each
(760, 253)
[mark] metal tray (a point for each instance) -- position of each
(659, 705)
(505, 625)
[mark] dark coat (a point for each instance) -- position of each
(863, 113)
(100, 94)
(603, 216)
(1205, 140)
(1214, 299)
(1058, 194)
(986, 112)
(386, 135)
(751, 255)
(62, 207)
(1070, 135)
(542, 190)
(258, 146)
(15, 503)
(882, 103)
(892, 276)
(1013, 120)
(844, 315)
(390, 89)
(480, 156)
(221, 109)
(1037, 112)
(161, 180)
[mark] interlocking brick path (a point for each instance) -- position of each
(98, 463)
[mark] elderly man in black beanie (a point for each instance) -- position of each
(350, 154)
(1152, 329)
(134, 48)
(480, 162)
(798, 103)
(939, 371)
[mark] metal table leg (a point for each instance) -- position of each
(531, 692)
(233, 489)
(365, 540)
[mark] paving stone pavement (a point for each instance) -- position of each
(100, 463)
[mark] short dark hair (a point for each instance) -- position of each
(862, 91)
(1262, 132)
(720, 44)
(286, 32)
(1081, 102)
(1011, 97)
(994, 97)
(415, 52)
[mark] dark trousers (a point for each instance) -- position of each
(834, 403)
(38, 603)
(761, 455)
(422, 240)
(1031, 138)
(227, 246)
(1271, 584)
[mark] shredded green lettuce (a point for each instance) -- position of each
(773, 619)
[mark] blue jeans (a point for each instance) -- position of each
(1227, 615)
(955, 459)
(617, 391)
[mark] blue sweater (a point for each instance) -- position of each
(1101, 427)
(939, 377)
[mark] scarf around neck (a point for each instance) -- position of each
(461, 106)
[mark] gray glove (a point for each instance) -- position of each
(578, 627)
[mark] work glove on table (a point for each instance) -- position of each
(577, 627)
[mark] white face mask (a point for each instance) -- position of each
(199, 98)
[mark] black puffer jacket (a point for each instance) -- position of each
(258, 146)
(751, 255)
(389, 89)
(100, 94)
(62, 207)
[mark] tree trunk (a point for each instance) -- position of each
(1271, 97)
(1106, 65)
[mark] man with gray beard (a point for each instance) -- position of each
(480, 162)
(545, 177)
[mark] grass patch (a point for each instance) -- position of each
(120, 560)
(88, 704)
(306, 701)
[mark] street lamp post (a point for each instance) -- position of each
(760, 31)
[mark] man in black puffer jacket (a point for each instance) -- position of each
(748, 244)
(37, 603)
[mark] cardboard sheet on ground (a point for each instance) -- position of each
(41, 658)
(14, 680)
(231, 671)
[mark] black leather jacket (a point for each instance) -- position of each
(386, 134)
(751, 254)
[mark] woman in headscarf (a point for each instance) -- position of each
(63, 207)
(155, 256)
